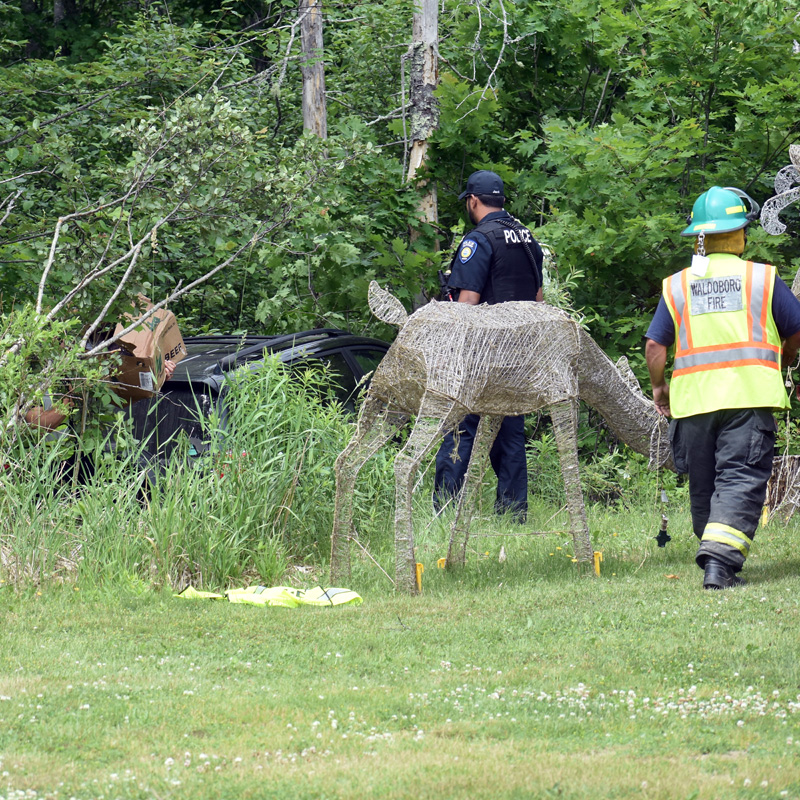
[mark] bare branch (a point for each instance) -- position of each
(256, 237)
(506, 42)
(602, 97)
(257, 78)
(11, 200)
(135, 188)
(180, 291)
(497, 62)
(115, 294)
(225, 68)
(132, 253)
(292, 35)
(452, 67)
(398, 113)
(24, 175)
(48, 263)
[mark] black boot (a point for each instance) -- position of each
(719, 575)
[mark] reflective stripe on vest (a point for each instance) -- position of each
(727, 346)
(726, 356)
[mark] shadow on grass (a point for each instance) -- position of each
(758, 573)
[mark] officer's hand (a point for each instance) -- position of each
(661, 399)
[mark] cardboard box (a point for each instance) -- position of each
(144, 351)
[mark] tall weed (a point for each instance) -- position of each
(257, 502)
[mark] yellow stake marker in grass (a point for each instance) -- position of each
(420, 570)
(598, 557)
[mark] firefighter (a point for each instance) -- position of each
(734, 324)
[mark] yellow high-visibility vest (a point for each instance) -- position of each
(727, 346)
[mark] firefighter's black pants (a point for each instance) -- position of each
(728, 455)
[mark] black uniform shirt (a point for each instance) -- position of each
(473, 261)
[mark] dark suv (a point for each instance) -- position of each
(200, 378)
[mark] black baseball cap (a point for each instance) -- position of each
(483, 182)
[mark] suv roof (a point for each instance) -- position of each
(213, 355)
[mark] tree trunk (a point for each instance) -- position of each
(424, 108)
(59, 11)
(313, 69)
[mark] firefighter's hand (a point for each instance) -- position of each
(661, 399)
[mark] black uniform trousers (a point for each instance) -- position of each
(728, 455)
(508, 462)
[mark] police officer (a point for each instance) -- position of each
(499, 260)
(734, 324)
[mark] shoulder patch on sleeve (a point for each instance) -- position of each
(467, 250)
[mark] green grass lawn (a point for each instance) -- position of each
(507, 680)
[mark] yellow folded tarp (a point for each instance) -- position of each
(285, 596)
(329, 597)
(190, 593)
(264, 596)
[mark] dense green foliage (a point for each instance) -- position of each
(606, 120)
(169, 128)
(168, 139)
(612, 117)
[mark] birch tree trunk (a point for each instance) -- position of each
(424, 57)
(315, 114)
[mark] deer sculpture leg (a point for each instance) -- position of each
(376, 425)
(565, 426)
(428, 430)
(487, 431)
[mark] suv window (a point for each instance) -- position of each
(342, 379)
(367, 359)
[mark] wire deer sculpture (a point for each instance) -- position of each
(454, 359)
